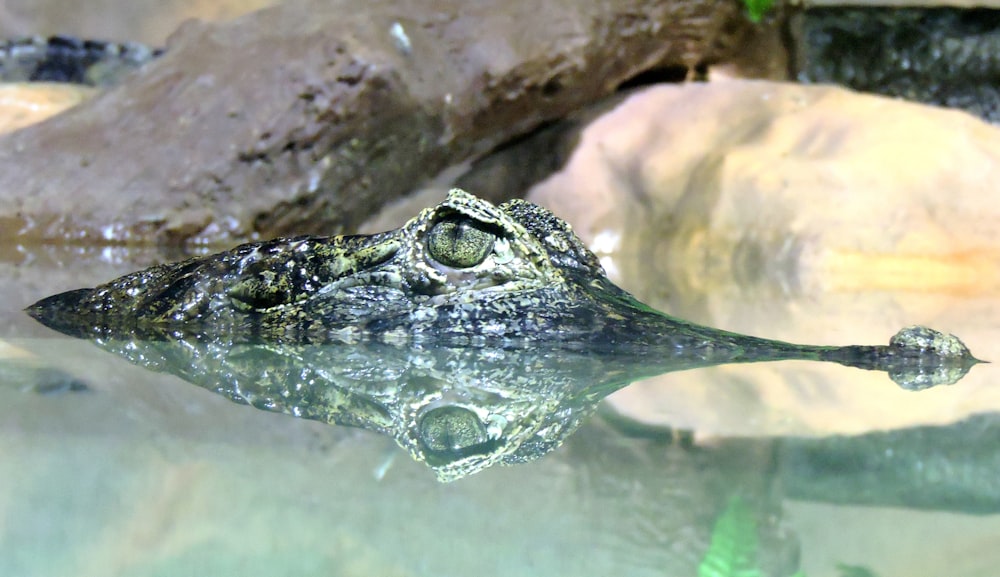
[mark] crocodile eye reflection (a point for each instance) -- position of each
(459, 242)
(451, 430)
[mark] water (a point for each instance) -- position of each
(800, 466)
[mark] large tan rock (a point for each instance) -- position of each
(23, 104)
(846, 191)
(802, 213)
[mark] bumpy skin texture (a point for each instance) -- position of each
(516, 275)
(64, 59)
(538, 282)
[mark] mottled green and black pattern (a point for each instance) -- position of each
(537, 282)
(462, 273)
(64, 59)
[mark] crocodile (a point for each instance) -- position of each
(474, 334)
(462, 273)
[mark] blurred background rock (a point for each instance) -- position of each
(147, 21)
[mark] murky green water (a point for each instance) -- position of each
(108, 468)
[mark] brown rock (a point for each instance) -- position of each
(305, 116)
(147, 21)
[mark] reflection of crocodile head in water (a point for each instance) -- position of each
(456, 409)
(462, 333)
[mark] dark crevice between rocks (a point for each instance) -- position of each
(667, 74)
(513, 167)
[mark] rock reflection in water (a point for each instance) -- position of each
(457, 409)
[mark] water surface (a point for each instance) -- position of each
(107, 468)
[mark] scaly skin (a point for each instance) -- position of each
(514, 275)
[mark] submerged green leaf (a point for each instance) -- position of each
(757, 8)
(732, 551)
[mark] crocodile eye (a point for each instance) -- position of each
(451, 430)
(459, 242)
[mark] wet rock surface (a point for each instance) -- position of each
(944, 56)
(305, 116)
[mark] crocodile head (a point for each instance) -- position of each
(462, 271)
